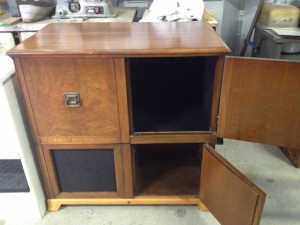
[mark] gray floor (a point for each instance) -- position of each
(265, 165)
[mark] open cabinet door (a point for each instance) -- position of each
(230, 196)
(260, 101)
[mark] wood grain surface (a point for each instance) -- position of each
(95, 120)
(260, 101)
(127, 39)
(230, 196)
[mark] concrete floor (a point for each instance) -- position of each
(265, 165)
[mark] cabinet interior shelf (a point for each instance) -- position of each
(167, 169)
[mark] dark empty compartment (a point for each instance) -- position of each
(171, 94)
(167, 169)
(85, 170)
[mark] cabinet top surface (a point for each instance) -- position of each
(124, 39)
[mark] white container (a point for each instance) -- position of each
(15, 145)
(32, 13)
(290, 47)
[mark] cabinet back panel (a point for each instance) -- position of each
(85, 170)
(171, 94)
(48, 79)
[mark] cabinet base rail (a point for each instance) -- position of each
(55, 204)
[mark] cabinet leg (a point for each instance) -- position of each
(53, 205)
(293, 155)
(202, 206)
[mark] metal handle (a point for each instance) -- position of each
(72, 99)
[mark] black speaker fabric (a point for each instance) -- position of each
(90, 170)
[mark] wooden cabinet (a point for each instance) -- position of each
(129, 114)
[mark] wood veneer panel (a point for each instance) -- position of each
(260, 101)
(216, 92)
(55, 204)
(120, 74)
(96, 120)
(126, 39)
(26, 100)
(230, 196)
(169, 137)
(128, 170)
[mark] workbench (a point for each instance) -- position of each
(272, 45)
(17, 31)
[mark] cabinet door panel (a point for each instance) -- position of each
(230, 196)
(260, 101)
(94, 121)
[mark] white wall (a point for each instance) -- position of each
(236, 21)
(230, 24)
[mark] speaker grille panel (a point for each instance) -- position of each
(85, 170)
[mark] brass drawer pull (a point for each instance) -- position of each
(72, 99)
